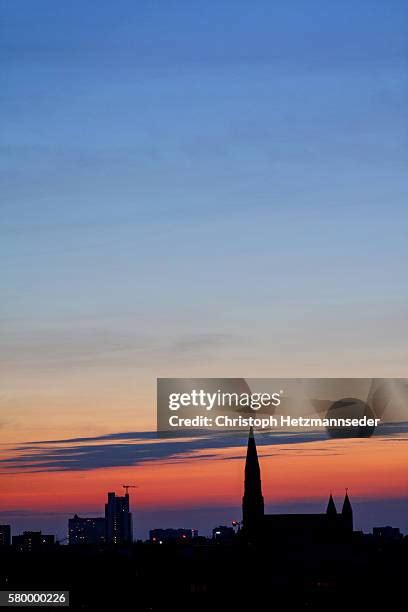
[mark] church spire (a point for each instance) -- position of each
(347, 513)
(331, 507)
(252, 502)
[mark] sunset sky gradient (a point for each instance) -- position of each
(198, 189)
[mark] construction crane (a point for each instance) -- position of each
(127, 487)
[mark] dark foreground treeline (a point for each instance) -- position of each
(361, 572)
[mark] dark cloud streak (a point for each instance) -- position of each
(76, 454)
(124, 449)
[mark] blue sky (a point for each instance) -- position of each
(197, 187)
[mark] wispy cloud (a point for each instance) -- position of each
(124, 449)
(132, 448)
(74, 344)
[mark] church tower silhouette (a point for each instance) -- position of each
(331, 507)
(274, 527)
(252, 501)
(347, 513)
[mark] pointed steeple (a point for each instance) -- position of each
(331, 507)
(347, 513)
(252, 502)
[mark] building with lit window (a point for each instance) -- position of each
(223, 533)
(85, 530)
(161, 536)
(30, 541)
(5, 538)
(118, 519)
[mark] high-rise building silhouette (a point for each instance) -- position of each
(118, 519)
(5, 539)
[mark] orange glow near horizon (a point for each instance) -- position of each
(374, 468)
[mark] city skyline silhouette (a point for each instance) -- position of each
(306, 557)
(235, 514)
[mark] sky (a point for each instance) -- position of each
(194, 189)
